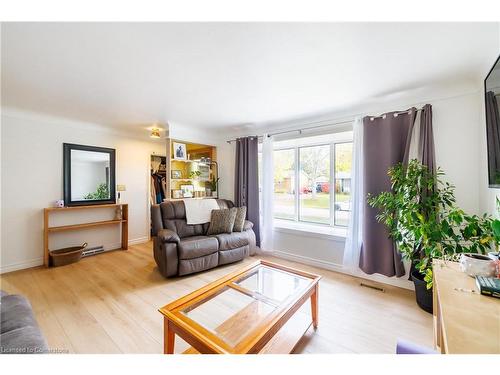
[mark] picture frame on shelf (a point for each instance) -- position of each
(176, 174)
(180, 152)
(187, 191)
(177, 194)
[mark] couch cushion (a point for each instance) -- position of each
(15, 313)
(222, 221)
(197, 246)
(184, 229)
(187, 266)
(19, 331)
(232, 240)
(24, 340)
(233, 255)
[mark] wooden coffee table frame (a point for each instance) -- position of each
(204, 341)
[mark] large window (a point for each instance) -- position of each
(312, 179)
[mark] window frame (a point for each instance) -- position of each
(332, 178)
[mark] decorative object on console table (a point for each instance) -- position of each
(477, 265)
(119, 189)
(47, 229)
(488, 286)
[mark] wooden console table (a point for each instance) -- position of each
(465, 322)
(47, 229)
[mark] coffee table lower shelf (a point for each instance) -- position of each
(285, 340)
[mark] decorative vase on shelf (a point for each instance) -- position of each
(118, 213)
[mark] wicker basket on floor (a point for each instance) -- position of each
(61, 257)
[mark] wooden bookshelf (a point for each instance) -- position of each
(195, 151)
(84, 225)
(48, 229)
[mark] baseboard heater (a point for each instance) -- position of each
(373, 287)
(89, 251)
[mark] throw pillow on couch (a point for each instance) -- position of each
(222, 221)
(239, 221)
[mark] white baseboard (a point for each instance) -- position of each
(399, 282)
(139, 240)
(21, 265)
(39, 261)
(309, 261)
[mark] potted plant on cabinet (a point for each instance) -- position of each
(425, 223)
(213, 185)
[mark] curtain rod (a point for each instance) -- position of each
(396, 114)
(300, 130)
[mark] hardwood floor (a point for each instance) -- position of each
(109, 304)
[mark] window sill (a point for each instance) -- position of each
(311, 230)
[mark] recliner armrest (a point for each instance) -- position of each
(247, 225)
(167, 235)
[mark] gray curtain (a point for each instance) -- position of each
(493, 138)
(426, 151)
(386, 142)
(246, 180)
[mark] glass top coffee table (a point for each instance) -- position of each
(252, 310)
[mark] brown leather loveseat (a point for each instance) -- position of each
(181, 249)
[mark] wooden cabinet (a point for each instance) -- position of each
(465, 322)
(47, 229)
(189, 171)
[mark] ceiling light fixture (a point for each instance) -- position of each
(155, 133)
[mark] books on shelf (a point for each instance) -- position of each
(488, 286)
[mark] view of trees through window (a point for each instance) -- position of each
(306, 171)
(315, 184)
(342, 204)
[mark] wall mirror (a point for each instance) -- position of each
(89, 175)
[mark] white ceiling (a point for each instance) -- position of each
(229, 74)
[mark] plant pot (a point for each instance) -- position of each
(423, 295)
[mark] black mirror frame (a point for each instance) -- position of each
(490, 178)
(67, 147)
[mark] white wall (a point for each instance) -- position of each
(32, 157)
(487, 195)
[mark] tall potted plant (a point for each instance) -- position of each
(425, 223)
